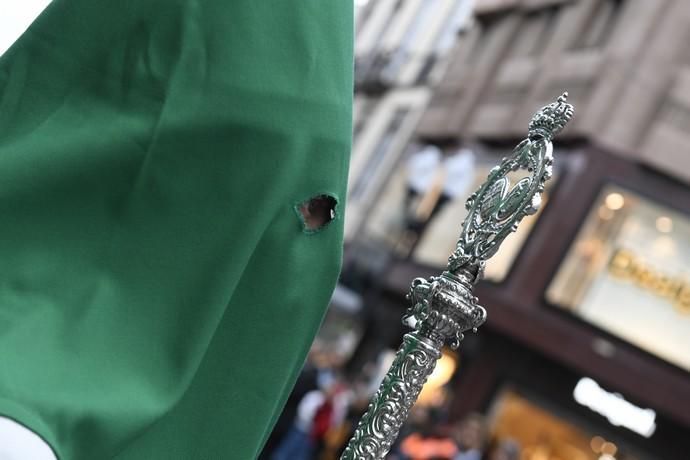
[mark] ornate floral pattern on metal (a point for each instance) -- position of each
(388, 409)
(495, 210)
(444, 307)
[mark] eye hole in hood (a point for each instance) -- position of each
(317, 212)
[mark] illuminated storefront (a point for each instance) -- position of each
(585, 352)
(628, 272)
(596, 308)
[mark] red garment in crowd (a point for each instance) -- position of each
(322, 419)
(418, 447)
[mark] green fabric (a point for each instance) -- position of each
(158, 294)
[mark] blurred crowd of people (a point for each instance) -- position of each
(325, 407)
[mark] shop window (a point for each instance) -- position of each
(627, 273)
(548, 433)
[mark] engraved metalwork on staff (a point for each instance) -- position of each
(444, 307)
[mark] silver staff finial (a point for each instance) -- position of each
(495, 210)
(548, 121)
(444, 307)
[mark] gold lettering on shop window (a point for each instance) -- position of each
(627, 266)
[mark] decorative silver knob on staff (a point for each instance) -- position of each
(444, 307)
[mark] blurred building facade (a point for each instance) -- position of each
(401, 51)
(625, 63)
(586, 353)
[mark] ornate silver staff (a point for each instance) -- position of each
(444, 306)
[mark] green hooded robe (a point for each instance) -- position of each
(158, 292)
